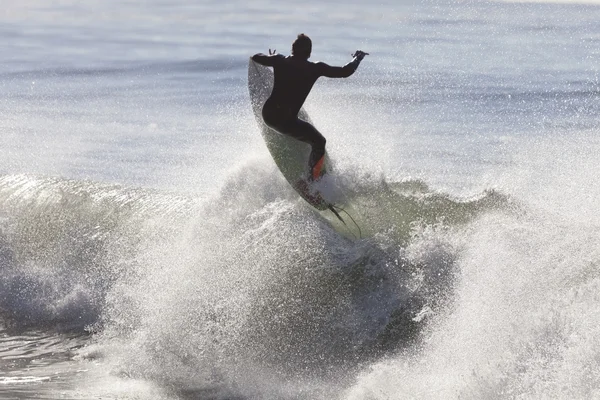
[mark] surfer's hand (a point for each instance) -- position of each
(272, 53)
(359, 54)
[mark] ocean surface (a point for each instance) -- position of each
(150, 248)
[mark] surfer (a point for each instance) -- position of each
(294, 78)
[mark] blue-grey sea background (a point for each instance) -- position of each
(150, 249)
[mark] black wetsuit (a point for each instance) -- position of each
(294, 78)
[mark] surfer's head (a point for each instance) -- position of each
(302, 46)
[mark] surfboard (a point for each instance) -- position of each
(290, 155)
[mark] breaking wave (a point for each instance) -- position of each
(240, 293)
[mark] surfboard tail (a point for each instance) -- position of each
(313, 197)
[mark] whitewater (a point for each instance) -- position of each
(151, 249)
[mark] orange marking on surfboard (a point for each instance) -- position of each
(316, 172)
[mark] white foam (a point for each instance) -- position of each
(22, 380)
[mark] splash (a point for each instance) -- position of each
(523, 320)
(249, 293)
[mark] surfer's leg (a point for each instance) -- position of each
(307, 133)
(280, 119)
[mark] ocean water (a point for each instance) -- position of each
(150, 249)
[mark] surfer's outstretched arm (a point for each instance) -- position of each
(346, 70)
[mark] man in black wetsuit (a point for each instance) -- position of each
(294, 78)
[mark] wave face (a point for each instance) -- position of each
(244, 292)
(64, 245)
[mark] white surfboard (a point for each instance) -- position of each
(290, 155)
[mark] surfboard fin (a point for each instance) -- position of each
(333, 210)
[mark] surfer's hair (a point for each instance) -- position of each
(302, 46)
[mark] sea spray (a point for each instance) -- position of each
(250, 293)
